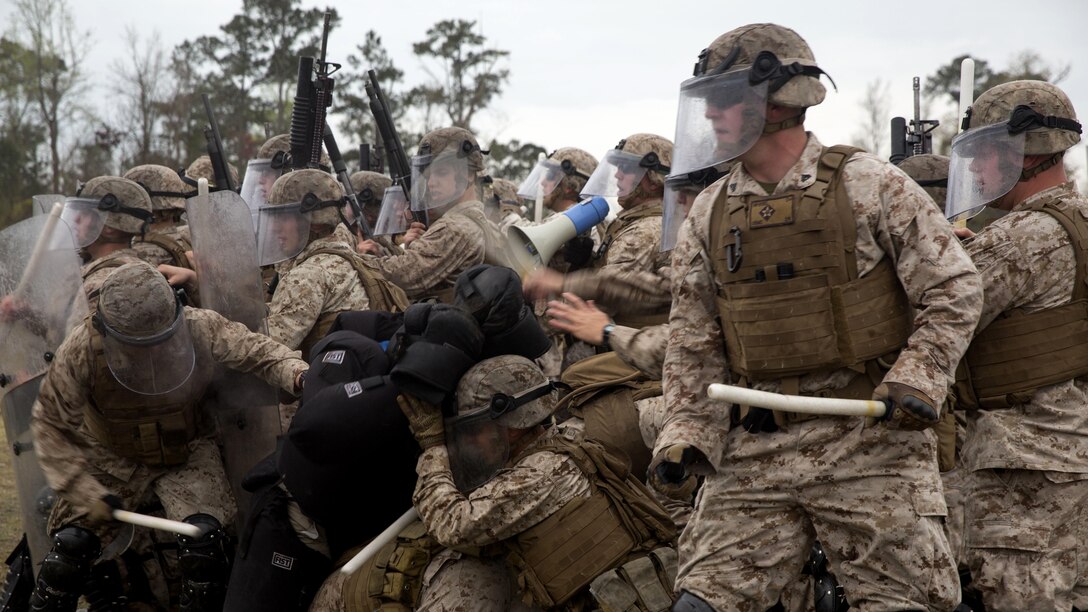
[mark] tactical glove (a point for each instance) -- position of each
(425, 421)
(907, 407)
(668, 472)
(101, 509)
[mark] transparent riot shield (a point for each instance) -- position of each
(42, 299)
(246, 408)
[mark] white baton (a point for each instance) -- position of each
(796, 403)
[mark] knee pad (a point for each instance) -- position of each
(104, 591)
(204, 558)
(689, 602)
(65, 569)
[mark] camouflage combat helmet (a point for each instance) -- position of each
(577, 167)
(656, 152)
(454, 139)
(319, 192)
(779, 55)
(201, 168)
(126, 193)
(167, 190)
(1047, 117)
(370, 187)
(137, 301)
(278, 147)
(505, 194)
(930, 171)
(506, 376)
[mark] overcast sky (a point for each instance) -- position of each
(591, 72)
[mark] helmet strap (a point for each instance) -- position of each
(785, 124)
(1029, 173)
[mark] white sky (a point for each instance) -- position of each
(591, 72)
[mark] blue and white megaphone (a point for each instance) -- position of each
(532, 247)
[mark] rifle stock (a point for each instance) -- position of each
(399, 168)
(341, 170)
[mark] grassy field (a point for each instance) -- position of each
(11, 528)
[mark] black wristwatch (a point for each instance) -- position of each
(606, 335)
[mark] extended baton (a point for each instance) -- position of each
(379, 542)
(796, 403)
(154, 522)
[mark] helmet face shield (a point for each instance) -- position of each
(679, 196)
(719, 118)
(478, 448)
(82, 215)
(986, 163)
(393, 217)
(438, 180)
(545, 177)
(282, 232)
(618, 174)
(260, 176)
(149, 365)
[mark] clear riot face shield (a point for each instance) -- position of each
(282, 232)
(478, 448)
(260, 175)
(986, 163)
(81, 214)
(679, 196)
(719, 118)
(618, 174)
(545, 177)
(395, 213)
(439, 180)
(149, 365)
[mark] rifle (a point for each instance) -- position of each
(313, 97)
(341, 170)
(399, 168)
(918, 138)
(223, 180)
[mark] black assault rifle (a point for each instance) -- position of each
(223, 179)
(399, 168)
(918, 139)
(310, 128)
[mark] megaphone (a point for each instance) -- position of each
(532, 247)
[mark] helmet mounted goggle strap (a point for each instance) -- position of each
(310, 203)
(280, 160)
(502, 403)
(650, 161)
(110, 203)
(568, 167)
(104, 328)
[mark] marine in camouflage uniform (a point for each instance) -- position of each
(459, 235)
(627, 278)
(201, 168)
(109, 434)
(501, 203)
(509, 491)
(115, 210)
(774, 482)
(370, 189)
(1027, 448)
(320, 276)
(168, 238)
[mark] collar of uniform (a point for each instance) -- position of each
(1064, 191)
(463, 206)
(128, 252)
(332, 241)
(634, 210)
(801, 176)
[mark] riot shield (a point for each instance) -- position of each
(225, 253)
(42, 299)
(35, 496)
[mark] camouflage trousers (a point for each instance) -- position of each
(872, 495)
(955, 483)
(200, 485)
(1027, 539)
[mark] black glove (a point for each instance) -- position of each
(668, 472)
(101, 509)
(907, 407)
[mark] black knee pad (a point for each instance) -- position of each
(104, 591)
(689, 602)
(65, 569)
(204, 558)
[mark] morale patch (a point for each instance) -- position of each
(336, 357)
(767, 212)
(282, 561)
(353, 388)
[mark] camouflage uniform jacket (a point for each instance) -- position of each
(895, 219)
(155, 254)
(311, 286)
(1026, 261)
(95, 272)
(517, 498)
(63, 442)
(452, 244)
(630, 276)
(641, 348)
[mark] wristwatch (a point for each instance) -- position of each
(606, 335)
